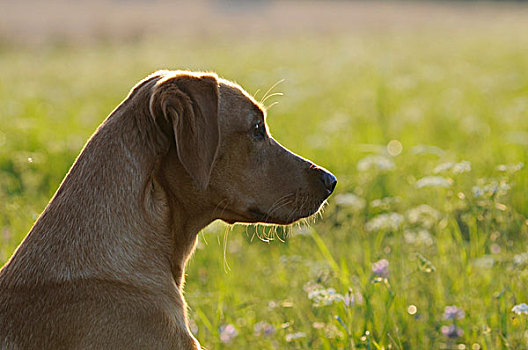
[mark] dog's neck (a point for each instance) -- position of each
(110, 218)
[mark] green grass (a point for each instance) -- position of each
(446, 96)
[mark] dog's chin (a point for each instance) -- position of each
(254, 215)
(286, 218)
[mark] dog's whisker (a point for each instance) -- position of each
(226, 201)
(278, 204)
(254, 233)
(270, 89)
(270, 96)
(271, 105)
(277, 207)
(227, 268)
(203, 237)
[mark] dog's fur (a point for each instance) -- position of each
(102, 268)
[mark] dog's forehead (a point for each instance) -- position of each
(238, 102)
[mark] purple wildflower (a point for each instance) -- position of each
(263, 328)
(349, 298)
(381, 268)
(452, 312)
(452, 331)
(227, 333)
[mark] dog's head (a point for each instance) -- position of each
(236, 168)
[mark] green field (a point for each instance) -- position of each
(427, 132)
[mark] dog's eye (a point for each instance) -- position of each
(259, 131)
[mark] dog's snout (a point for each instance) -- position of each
(328, 180)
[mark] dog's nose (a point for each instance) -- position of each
(328, 180)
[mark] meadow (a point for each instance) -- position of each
(424, 243)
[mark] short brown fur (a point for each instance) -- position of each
(103, 266)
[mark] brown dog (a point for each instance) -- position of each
(102, 268)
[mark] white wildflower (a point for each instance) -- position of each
(423, 214)
(485, 262)
(491, 189)
(433, 181)
(520, 259)
(425, 238)
(294, 336)
(385, 203)
(443, 167)
(324, 297)
(422, 237)
(520, 309)
(456, 168)
(462, 167)
(311, 286)
(350, 200)
(332, 332)
(378, 162)
(388, 221)
(511, 168)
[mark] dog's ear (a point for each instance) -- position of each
(189, 104)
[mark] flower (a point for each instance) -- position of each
(318, 325)
(310, 286)
(227, 333)
(331, 332)
(355, 203)
(294, 336)
(381, 268)
(423, 214)
(456, 168)
(263, 328)
(452, 331)
(433, 181)
(443, 167)
(421, 236)
(452, 312)
(520, 309)
(485, 261)
(349, 298)
(388, 221)
(491, 189)
(378, 162)
(520, 259)
(323, 297)
(462, 167)
(512, 168)
(385, 203)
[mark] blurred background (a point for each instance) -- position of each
(56, 22)
(420, 108)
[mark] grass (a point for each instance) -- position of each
(382, 111)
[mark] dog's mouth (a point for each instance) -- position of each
(251, 216)
(299, 207)
(289, 217)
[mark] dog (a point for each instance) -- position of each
(103, 266)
